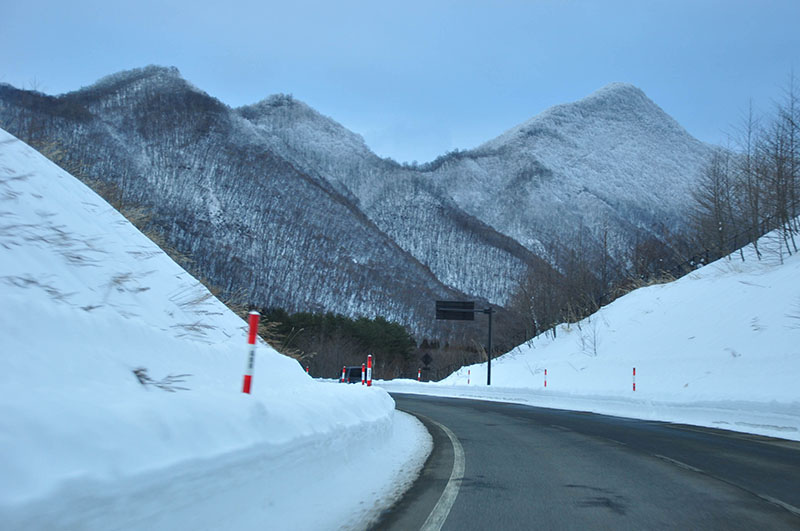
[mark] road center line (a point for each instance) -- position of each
(441, 510)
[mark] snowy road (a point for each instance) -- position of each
(548, 468)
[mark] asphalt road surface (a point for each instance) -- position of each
(508, 466)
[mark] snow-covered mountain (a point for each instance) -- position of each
(281, 203)
(250, 220)
(612, 162)
(460, 249)
(98, 325)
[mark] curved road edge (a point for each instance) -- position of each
(427, 503)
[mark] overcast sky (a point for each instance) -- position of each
(419, 78)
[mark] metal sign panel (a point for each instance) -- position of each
(455, 310)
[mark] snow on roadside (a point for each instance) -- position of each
(719, 347)
(86, 300)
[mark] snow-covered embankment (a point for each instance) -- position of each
(86, 301)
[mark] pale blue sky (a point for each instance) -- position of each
(419, 78)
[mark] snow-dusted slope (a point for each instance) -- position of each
(719, 347)
(613, 161)
(461, 250)
(86, 301)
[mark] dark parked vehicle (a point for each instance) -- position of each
(352, 374)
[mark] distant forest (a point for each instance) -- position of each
(324, 343)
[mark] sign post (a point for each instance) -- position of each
(465, 311)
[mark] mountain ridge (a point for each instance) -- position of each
(470, 224)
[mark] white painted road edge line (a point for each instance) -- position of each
(678, 463)
(791, 508)
(439, 514)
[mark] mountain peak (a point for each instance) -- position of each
(168, 76)
(618, 88)
(616, 102)
(276, 103)
(282, 112)
(616, 97)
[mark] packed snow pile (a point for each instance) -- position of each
(719, 347)
(121, 380)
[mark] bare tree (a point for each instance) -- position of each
(712, 215)
(779, 181)
(790, 116)
(749, 174)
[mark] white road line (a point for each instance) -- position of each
(678, 463)
(791, 508)
(439, 514)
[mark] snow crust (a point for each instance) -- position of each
(86, 300)
(719, 348)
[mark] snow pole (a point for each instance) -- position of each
(419, 375)
(545, 377)
(344, 370)
(251, 358)
(369, 370)
(634, 378)
(363, 374)
(468, 375)
(307, 370)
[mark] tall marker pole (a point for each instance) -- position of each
(251, 358)
(490, 311)
(369, 370)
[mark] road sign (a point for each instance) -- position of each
(465, 311)
(455, 310)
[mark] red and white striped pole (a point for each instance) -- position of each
(545, 377)
(363, 374)
(344, 370)
(419, 375)
(634, 378)
(468, 375)
(307, 370)
(251, 358)
(369, 370)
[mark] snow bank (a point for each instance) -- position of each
(719, 347)
(87, 300)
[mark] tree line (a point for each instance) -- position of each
(325, 342)
(753, 186)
